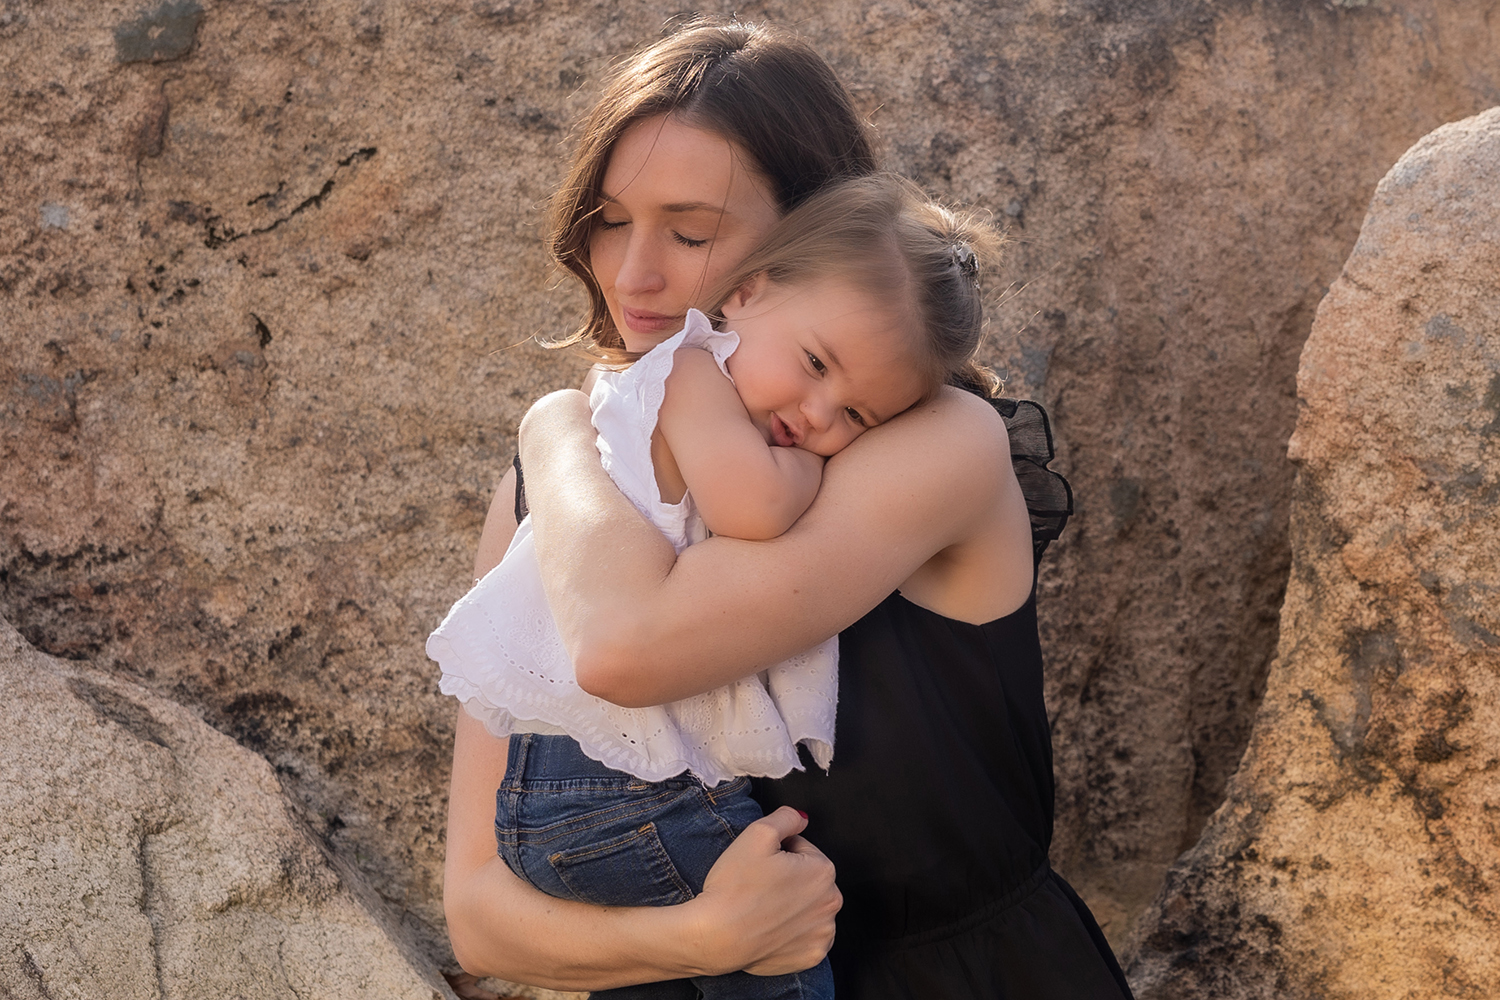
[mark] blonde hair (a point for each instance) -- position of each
(883, 234)
(763, 90)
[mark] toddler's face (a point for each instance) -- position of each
(819, 362)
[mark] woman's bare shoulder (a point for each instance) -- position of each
(946, 437)
(942, 473)
(952, 409)
(929, 477)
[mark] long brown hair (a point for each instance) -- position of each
(762, 89)
(884, 235)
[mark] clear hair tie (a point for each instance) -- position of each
(963, 258)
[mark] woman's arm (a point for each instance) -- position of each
(931, 486)
(763, 909)
(499, 526)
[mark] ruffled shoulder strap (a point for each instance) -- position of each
(1049, 498)
(522, 509)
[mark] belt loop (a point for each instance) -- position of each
(515, 762)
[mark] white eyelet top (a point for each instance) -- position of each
(501, 654)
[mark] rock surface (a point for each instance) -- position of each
(1356, 853)
(145, 855)
(265, 267)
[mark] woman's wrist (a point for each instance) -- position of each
(708, 947)
(685, 940)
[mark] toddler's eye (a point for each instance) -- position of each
(687, 241)
(854, 415)
(818, 366)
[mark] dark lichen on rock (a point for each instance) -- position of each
(161, 35)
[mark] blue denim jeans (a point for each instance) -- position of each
(576, 829)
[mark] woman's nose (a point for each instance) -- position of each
(640, 270)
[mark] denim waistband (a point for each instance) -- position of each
(554, 758)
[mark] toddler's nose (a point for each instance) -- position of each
(818, 413)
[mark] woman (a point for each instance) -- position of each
(938, 810)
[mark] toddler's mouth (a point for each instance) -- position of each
(781, 434)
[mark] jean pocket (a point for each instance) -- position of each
(632, 869)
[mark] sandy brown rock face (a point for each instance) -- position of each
(264, 268)
(1356, 854)
(143, 854)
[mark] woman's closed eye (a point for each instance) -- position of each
(610, 225)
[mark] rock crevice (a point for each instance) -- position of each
(1354, 856)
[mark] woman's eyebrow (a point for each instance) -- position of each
(678, 207)
(695, 206)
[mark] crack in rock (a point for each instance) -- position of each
(130, 716)
(149, 910)
(217, 235)
(34, 973)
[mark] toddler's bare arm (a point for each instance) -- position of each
(744, 487)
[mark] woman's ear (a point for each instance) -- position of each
(744, 295)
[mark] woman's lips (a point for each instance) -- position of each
(644, 321)
(781, 434)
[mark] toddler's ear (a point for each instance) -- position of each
(746, 293)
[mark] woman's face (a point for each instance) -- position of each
(820, 361)
(679, 208)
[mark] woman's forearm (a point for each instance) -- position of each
(610, 575)
(766, 910)
(501, 927)
(591, 541)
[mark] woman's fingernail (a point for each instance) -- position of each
(801, 813)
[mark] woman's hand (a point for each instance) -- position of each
(768, 904)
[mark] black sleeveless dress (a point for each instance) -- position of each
(937, 811)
